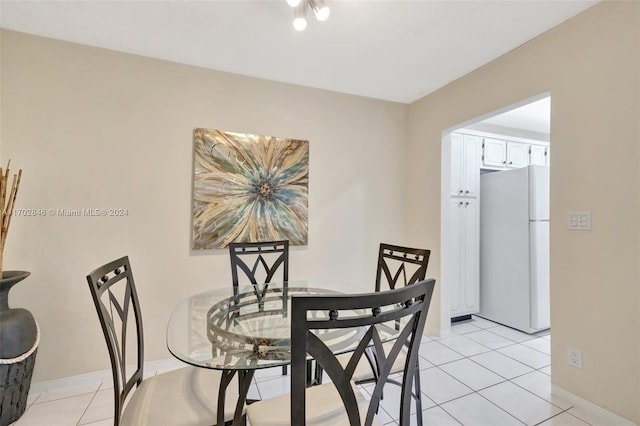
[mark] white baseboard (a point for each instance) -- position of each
(100, 377)
(604, 416)
(437, 332)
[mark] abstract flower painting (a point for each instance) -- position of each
(249, 188)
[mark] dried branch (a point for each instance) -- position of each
(7, 204)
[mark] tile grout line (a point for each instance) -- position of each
(87, 407)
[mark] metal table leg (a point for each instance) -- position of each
(244, 382)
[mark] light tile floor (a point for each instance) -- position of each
(483, 374)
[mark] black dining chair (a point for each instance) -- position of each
(340, 402)
(260, 263)
(397, 267)
(187, 396)
(396, 262)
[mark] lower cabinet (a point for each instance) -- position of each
(465, 270)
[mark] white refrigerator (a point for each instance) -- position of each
(514, 248)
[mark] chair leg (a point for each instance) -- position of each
(314, 373)
(311, 374)
(319, 371)
(418, 395)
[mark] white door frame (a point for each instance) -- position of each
(446, 262)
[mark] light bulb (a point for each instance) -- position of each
(300, 16)
(300, 23)
(320, 9)
(323, 13)
(293, 3)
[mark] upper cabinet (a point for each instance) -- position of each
(517, 154)
(539, 155)
(494, 153)
(503, 154)
(465, 165)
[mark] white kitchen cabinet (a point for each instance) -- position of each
(494, 153)
(498, 154)
(465, 165)
(517, 155)
(538, 155)
(465, 256)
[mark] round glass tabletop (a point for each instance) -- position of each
(249, 328)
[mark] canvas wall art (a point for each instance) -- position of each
(249, 188)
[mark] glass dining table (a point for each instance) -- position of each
(240, 330)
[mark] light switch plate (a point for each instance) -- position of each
(579, 220)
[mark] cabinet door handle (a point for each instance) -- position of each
(466, 204)
(460, 203)
(466, 192)
(504, 162)
(510, 162)
(461, 191)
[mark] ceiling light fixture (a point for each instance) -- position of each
(300, 9)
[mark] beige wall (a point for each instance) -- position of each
(93, 128)
(590, 65)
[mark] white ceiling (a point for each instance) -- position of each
(532, 117)
(391, 50)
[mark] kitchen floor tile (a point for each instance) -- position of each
(441, 387)
(463, 345)
(437, 353)
(67, 392)
(540, 384)
(424, 364)
(483, 323)
(526, 355)
(511, 334)
(100, 408)
(59, 412)
(391, 400)
(253, 392)
(105, 422)
(546, 370)
(488, 339)
(524, 405)
(383, 417)
(564, 419)
(274, 387)
(435, 416)
(511, 380)
(463, 327)
(269, 373)
(502, 364)
(540, 344)
(474, 410)
(471, 374)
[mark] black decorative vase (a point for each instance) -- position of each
(19, 338)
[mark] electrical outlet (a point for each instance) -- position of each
(575, 357)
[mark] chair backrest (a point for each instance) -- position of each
(114, 295)
(367, 316)
(271, 255)
(407, 263)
